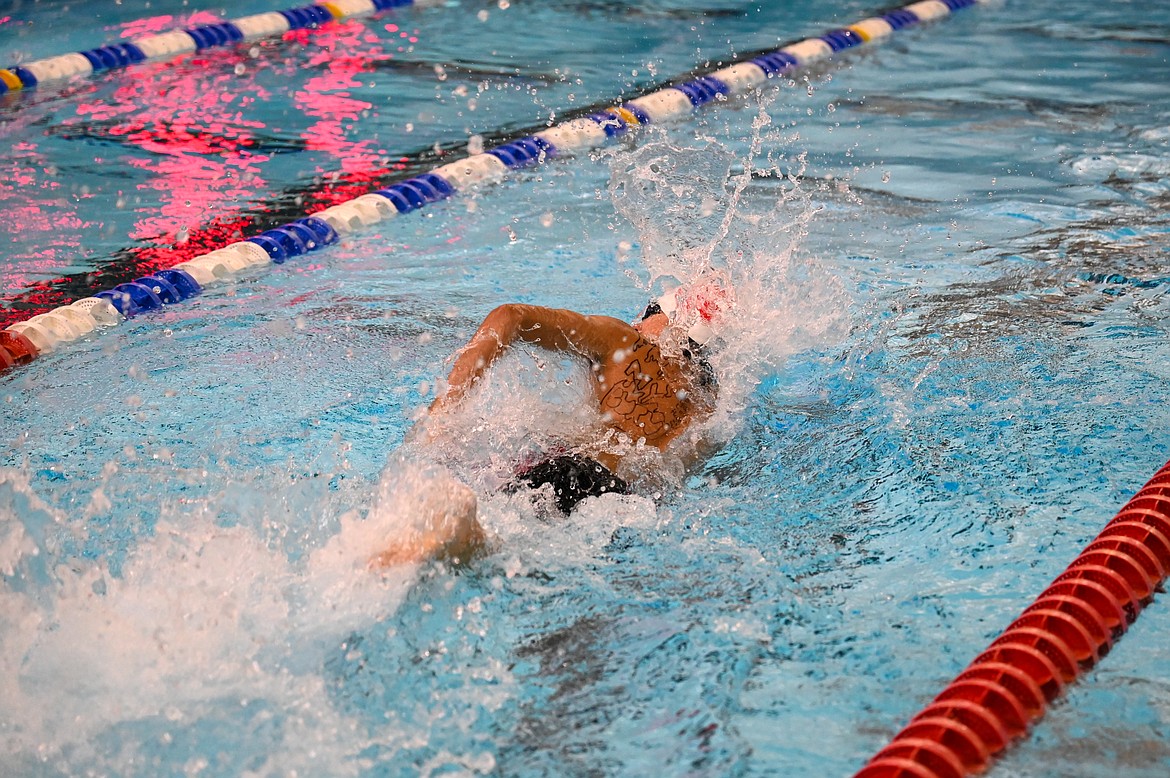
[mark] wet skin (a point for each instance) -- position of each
(639, 391)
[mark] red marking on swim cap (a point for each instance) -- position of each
(708, 300)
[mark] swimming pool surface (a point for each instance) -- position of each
(953, 247)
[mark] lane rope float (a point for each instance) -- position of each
(1065, 631)
(46, 331)
(186, 40)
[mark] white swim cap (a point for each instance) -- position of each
(705, 304)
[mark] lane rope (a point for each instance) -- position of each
(175, 43)
(47, 331)
(1064, 632)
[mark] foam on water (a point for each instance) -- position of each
(206, 626)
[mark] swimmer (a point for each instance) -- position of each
(649, 379)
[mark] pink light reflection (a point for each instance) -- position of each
(166, 23)
(197, 142)
(343, 52)
(41, 234)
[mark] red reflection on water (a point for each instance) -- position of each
(33, 201)
(200, 240)
(39, 296)
(159, 24)
(194, 141)
(189, 129)
(342, 53)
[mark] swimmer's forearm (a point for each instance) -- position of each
(548, 328)
(492, 338)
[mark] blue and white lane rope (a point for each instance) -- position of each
(190, 39)
(187, 279)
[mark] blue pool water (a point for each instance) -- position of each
(953, 251)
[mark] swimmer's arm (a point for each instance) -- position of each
(554, 329)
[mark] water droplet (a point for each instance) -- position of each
(546, 219)
(240, 69)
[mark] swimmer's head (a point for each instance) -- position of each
(699, 310)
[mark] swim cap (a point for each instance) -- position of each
(705, 304)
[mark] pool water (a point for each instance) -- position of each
(947, 373)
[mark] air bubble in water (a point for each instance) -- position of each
(240, 69)
(482, 15)
(475, 144)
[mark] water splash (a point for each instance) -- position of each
(700, 209)
(207, 629)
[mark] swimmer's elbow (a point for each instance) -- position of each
(504, 321)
